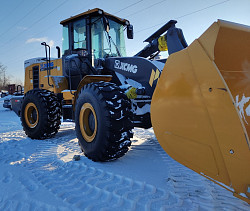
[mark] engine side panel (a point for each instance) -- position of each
(140, 70)
(36, 74)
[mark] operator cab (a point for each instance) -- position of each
(95, 34)
(88, 37)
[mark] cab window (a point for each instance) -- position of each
(65, 40)
(79, 36)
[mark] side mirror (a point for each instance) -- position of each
(105, 23)
(130, 32)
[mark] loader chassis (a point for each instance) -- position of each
(194, 98)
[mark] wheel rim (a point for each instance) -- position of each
(31, 115)
(88, 122)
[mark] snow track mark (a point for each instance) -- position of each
(28, 184)
(7, 177)
(84, 187)
(92, 188)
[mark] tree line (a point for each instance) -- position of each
(4, 78)
(7, 79)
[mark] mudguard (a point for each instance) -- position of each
(200, 109)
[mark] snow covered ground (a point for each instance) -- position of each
(41, 175)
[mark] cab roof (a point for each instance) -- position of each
(96, 12)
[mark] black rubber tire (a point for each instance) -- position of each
(114, 126)
(49, 114)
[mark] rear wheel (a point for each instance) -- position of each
(31, 115)
(103, 124)
(40, 114)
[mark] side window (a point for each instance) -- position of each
(79, 28)
(65, 41)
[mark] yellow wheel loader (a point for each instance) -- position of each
(197, 100)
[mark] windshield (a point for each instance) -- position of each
(101, 45)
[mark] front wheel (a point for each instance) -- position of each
(40, 114)
(102, 119)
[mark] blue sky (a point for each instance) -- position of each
(26, 23)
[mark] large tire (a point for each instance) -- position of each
(102, 119)
(40, 114)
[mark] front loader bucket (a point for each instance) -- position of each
(200, 109)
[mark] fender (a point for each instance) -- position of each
(90, 79)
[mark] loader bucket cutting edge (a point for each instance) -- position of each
(200, 109)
